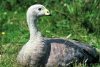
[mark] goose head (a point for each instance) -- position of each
(37, 10)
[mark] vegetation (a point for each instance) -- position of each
(73, 19)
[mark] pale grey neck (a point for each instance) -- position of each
(34, 32)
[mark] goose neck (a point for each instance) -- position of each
(34, 32)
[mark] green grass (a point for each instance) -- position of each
(74, 20)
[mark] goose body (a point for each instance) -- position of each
(50, 52)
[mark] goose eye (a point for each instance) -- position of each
(39, 9)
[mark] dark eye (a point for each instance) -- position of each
(39, 9)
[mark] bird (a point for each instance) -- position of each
(50, 52)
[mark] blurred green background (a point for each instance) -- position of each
(73, 19)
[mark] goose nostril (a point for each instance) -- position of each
(47, 11)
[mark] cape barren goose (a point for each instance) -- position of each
(51, 52)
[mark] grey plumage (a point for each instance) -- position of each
(41, 52)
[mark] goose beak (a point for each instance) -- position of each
(46, 12)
